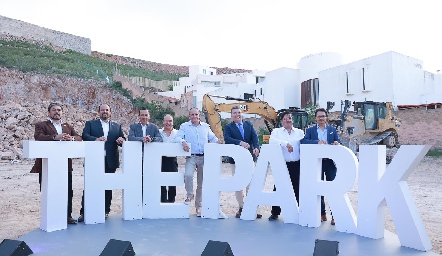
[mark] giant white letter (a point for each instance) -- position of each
(213, 183)
(54, 187)
(312, 187)
(377, 187)
(153, 179)
(284, 196)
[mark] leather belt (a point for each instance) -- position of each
(197, 154)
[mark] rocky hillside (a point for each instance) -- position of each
(24, 98)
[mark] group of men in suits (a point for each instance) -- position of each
(238, 132)
(102, 129)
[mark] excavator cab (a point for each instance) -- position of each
(372, 112)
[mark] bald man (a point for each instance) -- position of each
(104, 129)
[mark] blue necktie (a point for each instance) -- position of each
(241, 130)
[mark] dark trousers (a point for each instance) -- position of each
(168, 164)
(70, 191)
(107, 193)
(294, 170)
(329, 169)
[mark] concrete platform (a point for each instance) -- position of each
(190, 236)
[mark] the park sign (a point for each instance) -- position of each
(378, 185)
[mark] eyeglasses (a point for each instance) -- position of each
(321, 116)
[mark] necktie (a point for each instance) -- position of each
(241, 130)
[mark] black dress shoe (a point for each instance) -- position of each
(71, 220)
(273, 217)
(258, 216)
(81, 218)
(238, 214)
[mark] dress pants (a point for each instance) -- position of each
(107, 193)
(70, 191)
(294, 170)
(329, 169)
(168, 193)
(192, 163)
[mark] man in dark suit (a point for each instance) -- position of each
(55, 130)
(323, 134)
(242, 134)
(104, 129)
(144, 131)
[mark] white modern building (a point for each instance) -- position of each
(322, 77)
(387, 77)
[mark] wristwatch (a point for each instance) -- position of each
(53, 137)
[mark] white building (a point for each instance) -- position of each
(388, 77)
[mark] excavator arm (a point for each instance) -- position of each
(211, 111)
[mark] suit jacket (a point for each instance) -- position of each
(45, 131)
(93, 130)
(311, 135)
(232, 135)
(136, 132)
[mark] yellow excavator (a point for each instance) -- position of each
(271, 117)
(371, 123)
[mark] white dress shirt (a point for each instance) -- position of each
(168, 139)
(105, 126)
(281, 137)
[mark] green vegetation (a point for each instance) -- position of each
(262, 131)
(310, 109)
(28, 57)
(434, 153)
(177, 121)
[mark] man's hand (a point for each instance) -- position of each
(120, 140)
(102, 138)
(220, 142)
(185, 146)
(335, 143)
(256, 152)
(289, 148)
(322, 142)
(245, 145)
(147, 139)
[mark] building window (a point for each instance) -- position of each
(363, 79)
(204, 71)
(211, 73)
(261, 91)
(260, 79)
(255, 93)
(248, 96)
(346, 79)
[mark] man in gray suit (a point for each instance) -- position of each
(104, 129)
(144, 131)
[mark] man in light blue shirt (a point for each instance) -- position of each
(196, 133)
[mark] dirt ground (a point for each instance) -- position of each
(20, 197)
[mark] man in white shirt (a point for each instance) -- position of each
(289, 138)
(168, 164)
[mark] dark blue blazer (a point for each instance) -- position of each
(311, 135)
(93, 130)
(232, 135)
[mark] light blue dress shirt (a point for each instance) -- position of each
(197, 136)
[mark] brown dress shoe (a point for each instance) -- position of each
(238, 214)
(71, 220)
(323, 217)
(332, 221)
(81, 218)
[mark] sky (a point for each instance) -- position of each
(249, 34)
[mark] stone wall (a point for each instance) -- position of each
(19, 28)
